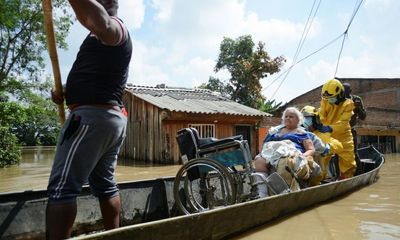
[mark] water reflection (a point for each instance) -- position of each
(377, 230)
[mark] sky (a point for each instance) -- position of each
(176, 42)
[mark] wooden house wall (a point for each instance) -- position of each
(171, 148)
(143, 140)
(381, 132)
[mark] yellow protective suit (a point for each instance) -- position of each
(338, 117)
(336, 147)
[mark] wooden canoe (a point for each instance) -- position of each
(148, 210)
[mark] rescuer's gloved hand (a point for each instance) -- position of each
(324, 129)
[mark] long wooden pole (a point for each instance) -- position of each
(51, 43)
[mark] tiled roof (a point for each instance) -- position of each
(191, 101)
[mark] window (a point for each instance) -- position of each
(205, 130)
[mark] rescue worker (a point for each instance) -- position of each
(359, 113)
(325, 145)
(335, 113)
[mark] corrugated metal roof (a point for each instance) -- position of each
(191, 101)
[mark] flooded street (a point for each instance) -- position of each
(34, 171)
(372, 212)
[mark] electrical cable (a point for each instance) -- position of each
(297, 54)
(306, 30)
(311, 54)
(345, 35)
(300, 44)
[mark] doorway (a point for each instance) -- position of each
(245, 131)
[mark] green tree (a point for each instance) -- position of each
(247, 65)
(9, 151)
(23, 40)
(42, 127)
(270, 106)
(33, 120)
(214, 84)
(10, 112)
(22, 45)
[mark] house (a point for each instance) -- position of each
(155, 114)
(381, 98)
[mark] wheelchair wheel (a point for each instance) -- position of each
(203, 184)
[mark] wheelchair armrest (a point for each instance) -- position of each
(209, 142)
(217, 143)
(237, 137)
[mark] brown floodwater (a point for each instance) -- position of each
(35, 167)
(372, 212)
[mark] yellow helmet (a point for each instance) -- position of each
(309, 111)
(332, 89)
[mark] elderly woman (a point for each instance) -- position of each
(287, 145)
(290, 129)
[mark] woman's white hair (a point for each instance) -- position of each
(295, 111)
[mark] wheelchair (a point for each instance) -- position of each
(217, 173)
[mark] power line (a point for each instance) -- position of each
(306, 30)
(354, 14)
(321, 48)
(345, 35)
(340, 53)
(308, 26)
(309, 55)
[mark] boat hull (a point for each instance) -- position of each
(221, 223)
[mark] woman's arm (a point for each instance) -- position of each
(308, 147)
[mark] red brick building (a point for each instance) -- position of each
(381, 97)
